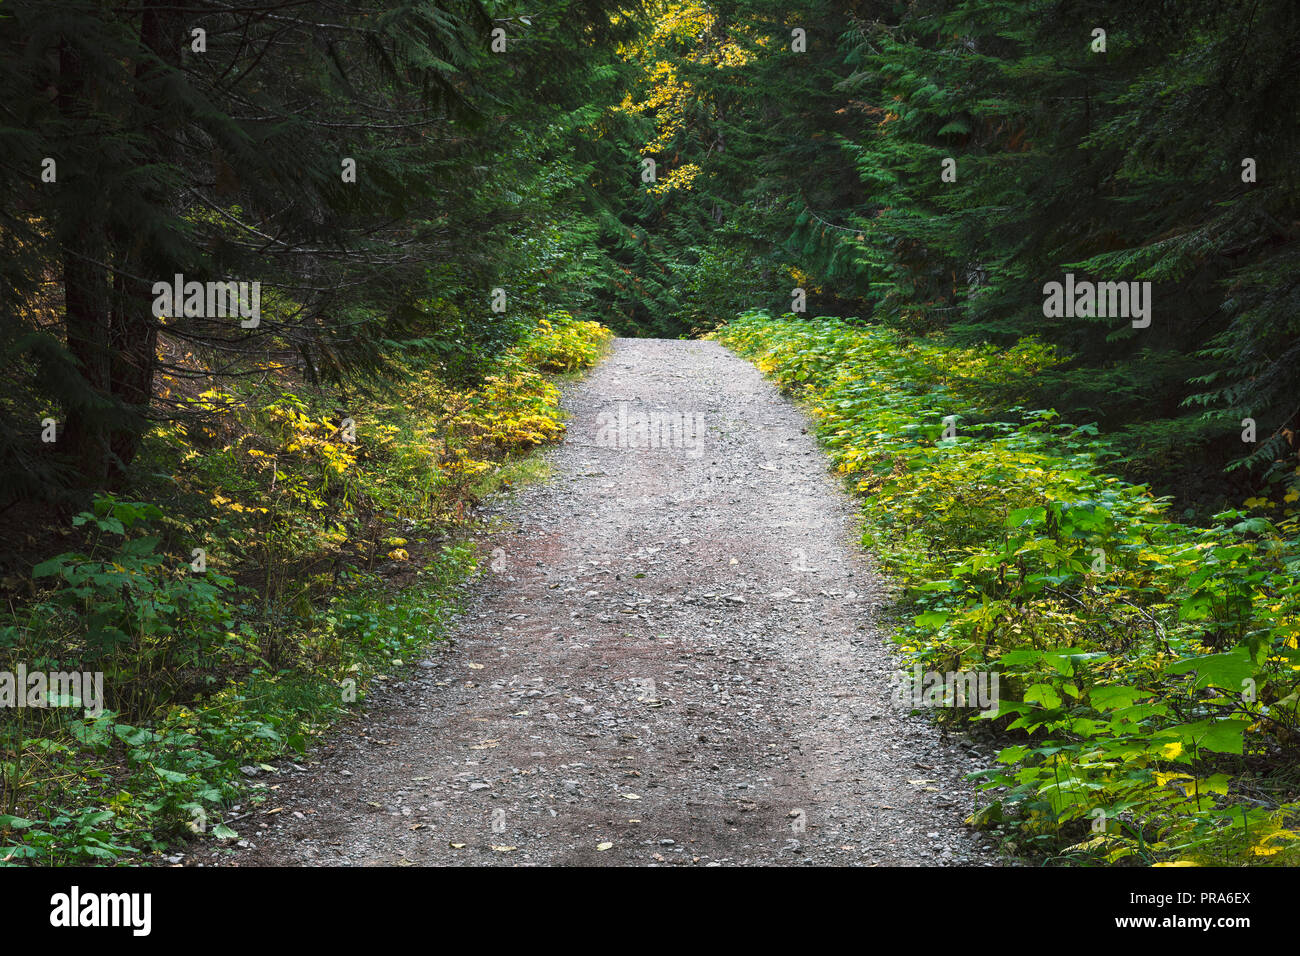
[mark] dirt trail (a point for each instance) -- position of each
(676, 656)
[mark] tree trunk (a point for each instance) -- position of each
(85, 285)
(134, 336)
(111, 329)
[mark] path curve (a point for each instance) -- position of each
(676, 662)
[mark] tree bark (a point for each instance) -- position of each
(85, 287)
(108, 269)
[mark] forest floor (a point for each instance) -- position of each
(676, 659)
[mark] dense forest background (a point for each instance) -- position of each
(440, 200)
(794, 145)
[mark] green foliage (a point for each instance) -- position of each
(128, 610)
(229, 164)
(562, 344)
(1125, 165)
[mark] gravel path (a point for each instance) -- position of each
(674, 661)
